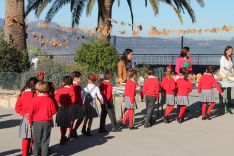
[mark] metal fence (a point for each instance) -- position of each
(156, 51)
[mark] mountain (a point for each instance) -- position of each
(62, 43)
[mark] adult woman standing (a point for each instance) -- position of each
(184, 61)
(124, 64)
(226, 63)
(226, 68)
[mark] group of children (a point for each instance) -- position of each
(38, 102)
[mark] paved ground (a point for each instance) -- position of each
(194, 137)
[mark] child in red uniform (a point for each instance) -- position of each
(78, 112)
(168, 85)
(184, 88)
(106, 89)
(129, 98)
(151, 91)
(206, 87)
(41, 113)
(65, 97)
(22, 107)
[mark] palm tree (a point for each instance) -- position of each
(14, 28)
(105, 10)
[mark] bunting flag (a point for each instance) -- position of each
(154, 31)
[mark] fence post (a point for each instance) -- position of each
(182, 42)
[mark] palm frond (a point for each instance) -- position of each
(177, 11)
(190, 11)
(130, 7)
(42, 7)
(201, 3)
(32, 5)
(56, 6)
(77, 11)
(155, 6)
(146, 3)
(89, 7)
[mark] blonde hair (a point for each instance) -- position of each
(42, 87)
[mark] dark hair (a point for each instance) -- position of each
(225, 50)
(51, 89)
(125, 55)
(151, 72)
(67, 80)
(210, 69)
(184, 51)
(30, 84)
(184, 72)
(75, 74)
(131, 73)
(107, 75)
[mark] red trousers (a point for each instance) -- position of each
(25, 146)
(204, 109)
(168, 110)
(182, 110)
(129, 114)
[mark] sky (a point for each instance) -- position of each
(216, 13)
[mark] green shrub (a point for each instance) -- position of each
(11, 59)
(97, 56)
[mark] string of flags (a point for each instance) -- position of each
(136, 30)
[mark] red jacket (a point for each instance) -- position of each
(151, 87)
(42, 108)
(184, 87)
(169, 85)
(208, 81)
(78, 97)
(65, 96)
(130, 90)
(23, 103)
(106, 89)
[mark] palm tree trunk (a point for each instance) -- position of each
(14, 24)
(104, 14)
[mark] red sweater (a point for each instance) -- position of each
(65, 96)
(151, 87)
(78, 97)
(207, 81)
(184, 87)
(106, 91)
(23, 103)
(169, 85)
(130, 90)
(42, 108)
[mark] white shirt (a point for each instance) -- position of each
(226, 66)
(94, 92)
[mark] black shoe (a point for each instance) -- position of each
(74, 135)
(203, 118)
(133, 128)
(83, 131)
(88, 132)
(178, 120)
(116, 130)
(122, 126)
(166, 120)
(208, 116)
(64, 141)
(103, 131)
(147, 126)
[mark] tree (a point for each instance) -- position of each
(14, 28)
(104, 10)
